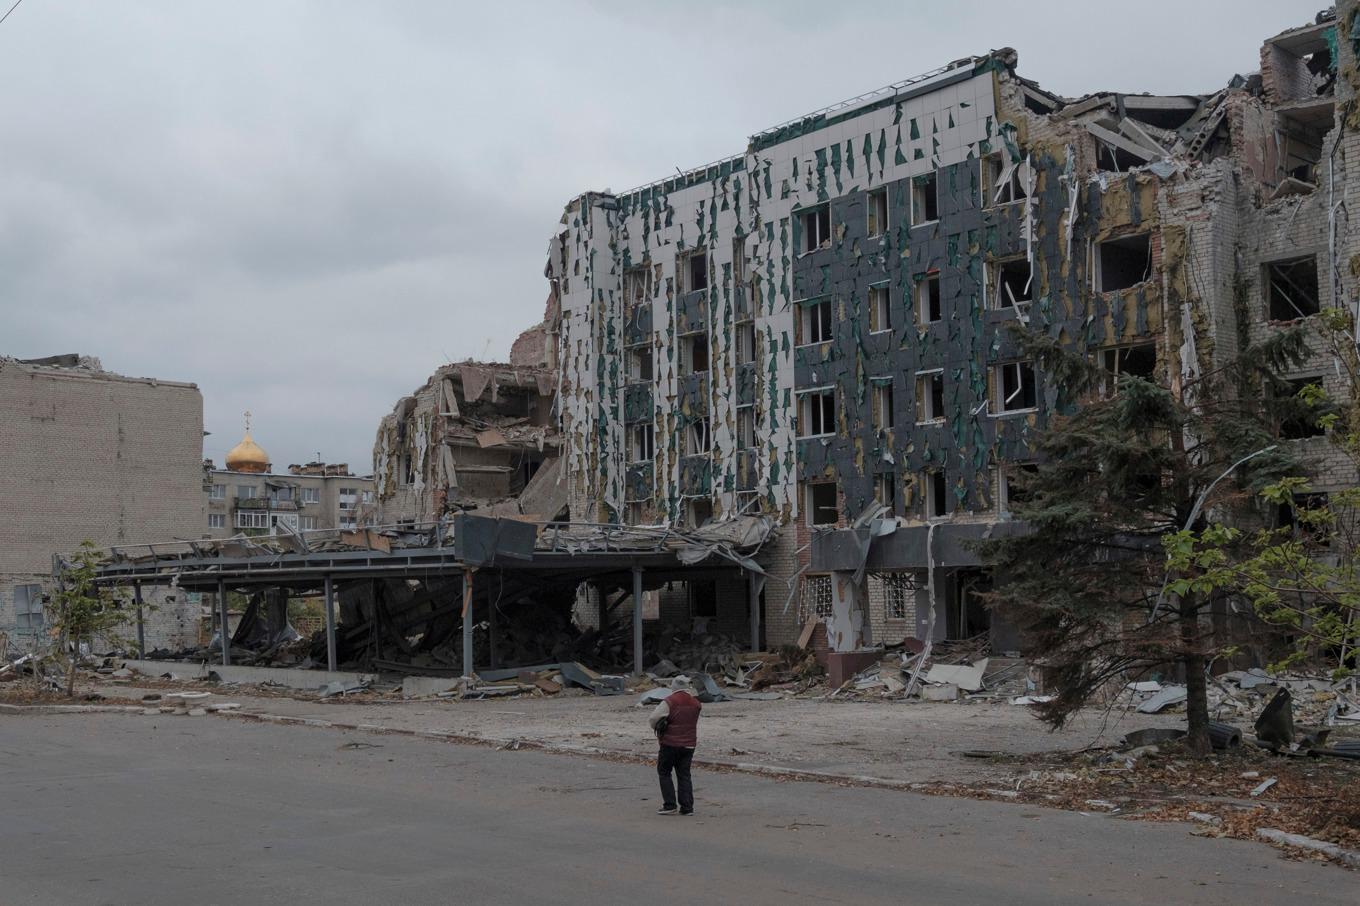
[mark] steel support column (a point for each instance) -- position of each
(637, 620)
(753, 587)
(467, 623)
(141, 627)
(222, 625)
(330, 624)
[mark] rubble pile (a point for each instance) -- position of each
(945, 671)
(1242, 694)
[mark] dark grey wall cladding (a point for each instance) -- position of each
(691, 311)
(696, 475)
(637, 403)
(637, 328)
(694, 395)
(967, 341)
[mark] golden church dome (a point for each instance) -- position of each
(247, 456)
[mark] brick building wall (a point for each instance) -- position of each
(86, 454)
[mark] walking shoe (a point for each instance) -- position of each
(690, 812)
(668, 810)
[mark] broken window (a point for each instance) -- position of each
(746, 427)
(694, 353)
(1121, 263)
(703, 595)
(697, 438)
(814, 322)
(745, 341)
(748, 502)
(925, 198)
(928, 299)
(1113, 159)
(1014, 486)
(817, 412)
(217, 520)
(877, 203)
(1299, 419)
(1011, 283)
(1017, 389)
(692, 273)
(28, 608)
(1134, 361)
(899, 595)
(885, 490)
(816, 224)
(822, 505)
(816, 599)
(1003, 181)
(636, 290)
(929, 396)
(640, 364)
(882, 402)
(739, 267)
(1309, 518)
(1292, 288)
(937, 494)
(218, 492)
(641, 443)
(880, 312)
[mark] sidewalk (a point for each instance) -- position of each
(918, 742)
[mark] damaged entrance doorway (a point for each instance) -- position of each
(968, 615)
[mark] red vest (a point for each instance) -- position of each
(683, 727)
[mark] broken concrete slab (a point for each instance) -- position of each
(1170, 695)
(943, 692)
(966, 676)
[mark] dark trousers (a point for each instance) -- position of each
(675, 758)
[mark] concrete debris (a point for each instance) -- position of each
(1340, 854)
(1169, 695)
(1262, 787)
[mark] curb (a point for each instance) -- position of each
(70, 709)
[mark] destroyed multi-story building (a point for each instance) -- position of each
(477, 436)
(819, 328)
(86, 454)
(248, 497)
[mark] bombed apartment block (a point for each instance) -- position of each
(819, 328)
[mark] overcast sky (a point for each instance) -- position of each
(306, 207)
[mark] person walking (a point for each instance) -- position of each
(676, 722)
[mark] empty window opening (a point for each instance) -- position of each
(1309, 518)
(880, 311)
(745, 341)
(1016, 485)
(746, 427)
(748, 502)
(816, 228)
(692, 274)
(1012, 283)
(636, 289)
(1017, 389)
(1115, 160)
(817, 412)
(899, 595)
(969, 616)
(1292, 288)
(877, 204)
(816, 599)
(694, 353)
(885, 490)
(1299, 417)
(930, 396)
(814, 322)
(640, 364)
(928, 299)
(822, 507)
(925, 198)
(697, 438)
(637, 512)
(882, 402)
(641, 443)
(1121, 263)
(937, 494)
(1003, 181)
(1127, 361)
(700, 513)
(739, 264)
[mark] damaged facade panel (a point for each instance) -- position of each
(827, 318)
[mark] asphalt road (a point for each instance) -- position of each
(115, 809)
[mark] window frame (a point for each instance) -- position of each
(827, 409)
(810, 488)
(816, 212)
(925, 396)
(918, 197)
(924, 299)
(881, 392)
(996, 284)
(828, 323)
(879, 298)
(31, 599)
(903, 586)
(876, 213)
(1000, 401)
(1019, 178)
(641, 434)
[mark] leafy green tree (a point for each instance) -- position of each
(1301, 576)
(82, 610)
(1120, 475)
